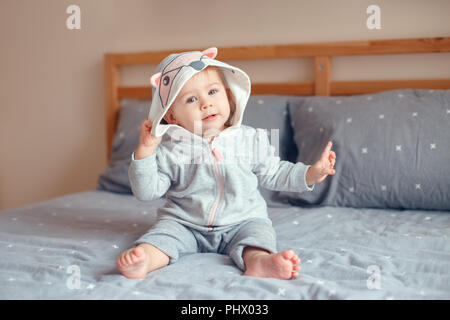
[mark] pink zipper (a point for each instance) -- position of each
(217, 157)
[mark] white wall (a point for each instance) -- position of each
(52, 130)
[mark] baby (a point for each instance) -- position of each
(209, 167)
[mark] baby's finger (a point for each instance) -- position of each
(326, 151)
(328, 147)
(144, 125)
(330, 170)
(332, 162)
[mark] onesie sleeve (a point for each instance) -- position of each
(274, 173)
(146, 180)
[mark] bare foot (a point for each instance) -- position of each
(281, 265)
(133, 263)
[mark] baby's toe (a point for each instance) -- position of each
(291, 256)
(134, 259)
(288, 254)
(122, 260)
(138, 256)
(128, 259)
(138, 251)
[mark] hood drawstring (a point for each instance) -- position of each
(217, 154)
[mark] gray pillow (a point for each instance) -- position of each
(270, 112)
(126, 139)
(392, 149)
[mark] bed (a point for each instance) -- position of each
(379, 229)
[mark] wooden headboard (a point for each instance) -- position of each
(321, 86)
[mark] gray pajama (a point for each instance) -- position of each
(211, 187)
(175, 239)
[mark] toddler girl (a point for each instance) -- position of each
(209, 166)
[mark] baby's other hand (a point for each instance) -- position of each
(322, 168)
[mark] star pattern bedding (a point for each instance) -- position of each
(66, 248)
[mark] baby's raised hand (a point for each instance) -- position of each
(322, 168)
(147, 142)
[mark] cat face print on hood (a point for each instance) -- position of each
(176, 69)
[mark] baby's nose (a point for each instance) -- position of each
(206, 105)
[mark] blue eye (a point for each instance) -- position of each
(212, 91)
(191, 99)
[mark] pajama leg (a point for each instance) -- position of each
(170, 237)
(257, 233)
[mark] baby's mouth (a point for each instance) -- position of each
(210, 117)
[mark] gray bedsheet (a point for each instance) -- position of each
(346, 254)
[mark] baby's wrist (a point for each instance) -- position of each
(142, 152)
(309, 177)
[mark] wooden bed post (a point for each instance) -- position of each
(112, 103)
(322, 75)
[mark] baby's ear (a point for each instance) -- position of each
(210, 53)
(169, 118)
(154, 80)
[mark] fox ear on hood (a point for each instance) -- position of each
(154, 80)
(210, 53)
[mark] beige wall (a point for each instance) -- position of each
(52, 131)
